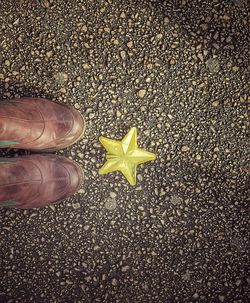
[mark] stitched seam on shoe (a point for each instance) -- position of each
(18, 183)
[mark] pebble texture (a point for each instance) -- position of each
(179, 70)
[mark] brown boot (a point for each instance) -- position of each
(39, 124)
(37, 180)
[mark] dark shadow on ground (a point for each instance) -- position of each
(213, 24)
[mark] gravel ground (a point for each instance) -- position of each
(179, 71)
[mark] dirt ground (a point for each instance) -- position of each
(179, 71)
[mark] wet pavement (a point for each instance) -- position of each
(179, 71)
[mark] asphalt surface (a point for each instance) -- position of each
(179, 71)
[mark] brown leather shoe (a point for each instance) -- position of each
(37, 180)
(39, 124)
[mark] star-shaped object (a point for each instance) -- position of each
(124, 156)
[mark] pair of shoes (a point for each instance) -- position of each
(38, 124)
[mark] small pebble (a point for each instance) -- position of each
(125, 268)
(185, 148)
(215, 103)
(123, 55)
(213, 65)
(61, 77)
(142, 93)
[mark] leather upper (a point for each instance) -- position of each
(38, 180)
(39, 124)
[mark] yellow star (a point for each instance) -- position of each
(124, 156)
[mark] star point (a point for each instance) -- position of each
(124, 156)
